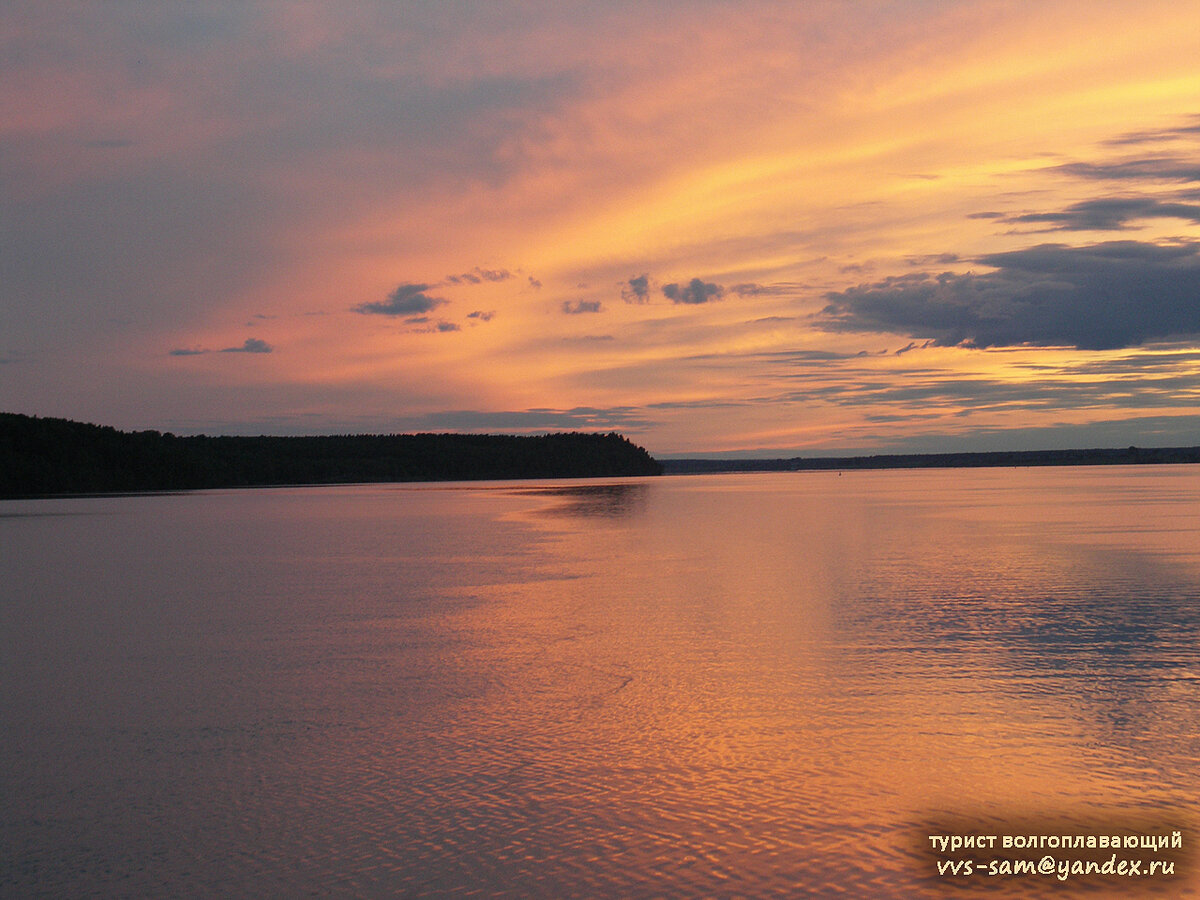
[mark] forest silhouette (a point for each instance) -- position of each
(41, 456)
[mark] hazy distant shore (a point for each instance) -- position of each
(1087, 457)
(47, 456)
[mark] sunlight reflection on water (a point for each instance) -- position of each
(757, 685)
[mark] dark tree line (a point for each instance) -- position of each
(41, 456)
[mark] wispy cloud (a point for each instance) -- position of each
(531, 420)
(427, 325)
(1159, 135)
(751, 289)
(574, 308)
(250, 345)
(1162, 168)
(479, 276)
(1109, 214)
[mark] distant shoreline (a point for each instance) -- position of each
(47, 457)
(973, 460)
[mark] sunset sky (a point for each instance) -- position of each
(716, 227)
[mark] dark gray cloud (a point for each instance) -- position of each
(250, 345)
(1110, 214)
(1158, 168)
(481, 315)
(636, 290)
(429, 325)
(695, 291)
(1105, 296)
(478, 276)
(534, 283)
(1162, 164)
(580, 306)
(405, 300)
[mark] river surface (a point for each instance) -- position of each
(755, 685)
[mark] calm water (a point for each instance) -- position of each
(750, 685)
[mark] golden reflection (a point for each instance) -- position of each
(784, 670)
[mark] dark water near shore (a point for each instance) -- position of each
(747, 685)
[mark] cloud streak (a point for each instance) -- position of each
(1110, 214)
(1159, 168)
(531, 420)
(479, 276)
(250, 345)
